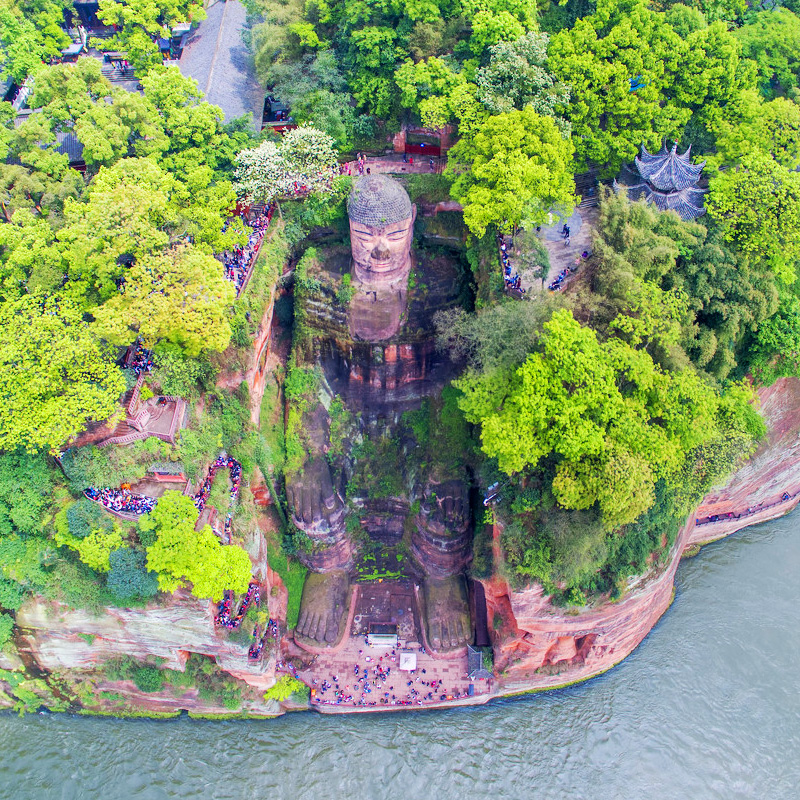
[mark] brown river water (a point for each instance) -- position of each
(707, 707)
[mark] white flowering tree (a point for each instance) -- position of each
(304, 160)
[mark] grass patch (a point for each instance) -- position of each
(293, 575)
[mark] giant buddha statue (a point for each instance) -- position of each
(381, 218)
(381, 230)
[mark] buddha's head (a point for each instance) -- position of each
(381, 230)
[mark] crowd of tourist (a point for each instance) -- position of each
(201, 497)
(238, 262)
(511, 278)
(141, 360)
(221, 462)
(748, 512)
(225, 618)
(270, 632)
(122, 500)
(378, 682)
(557, 284)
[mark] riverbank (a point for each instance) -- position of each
(537, 646)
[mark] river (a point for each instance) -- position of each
(707, 707)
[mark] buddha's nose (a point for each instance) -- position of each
(381, 251)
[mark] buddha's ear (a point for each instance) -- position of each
(413, 213)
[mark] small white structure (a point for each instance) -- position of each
(382, 635)
(408, 661)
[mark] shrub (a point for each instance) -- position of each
(128, 578)
(85, 516)
(284, 688)
(11, 594)
(346, 292)
(178, 375)
(26, 484)
(6, 627)
(148, 679)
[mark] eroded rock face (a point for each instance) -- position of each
(539, 645)
(754, 493)
(184, 625)
(447, 619)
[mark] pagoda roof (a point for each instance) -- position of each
(669, 170)
(687, 203)
(667, 179)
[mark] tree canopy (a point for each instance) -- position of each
(614, 421)
(181, 555)
(305, 159)
(54, 377)
(514, 170)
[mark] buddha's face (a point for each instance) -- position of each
(382, 254)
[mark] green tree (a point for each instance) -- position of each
(777, 342)
(140, 23)
(126, 216)
(517, 76)
(305, 157)
(598, 58)
(128, 577)
(757, 206)
(148, 679)
(180, 295)
(54, 374)
(95, 549)
(577, 545)
(29, 259)
(374, 53)
(635, 80)
(84, 516)
(181, 555)
(30, 33)
(513, 171)
(614, 421)
(772, 40)
(440, 94)
(772, 129)
(26, 490)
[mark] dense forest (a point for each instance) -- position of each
(604, 412)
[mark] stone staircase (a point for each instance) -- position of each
(118, 76)
(587, 187)
(132, 435)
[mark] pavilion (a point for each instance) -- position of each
(667, 179)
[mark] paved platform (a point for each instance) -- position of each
(215, 56)
(334, 682)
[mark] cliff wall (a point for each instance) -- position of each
(58, 638)
(538, 645)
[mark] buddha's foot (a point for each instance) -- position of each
(323, 609)
(447, 622)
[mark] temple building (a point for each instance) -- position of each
(667, 179)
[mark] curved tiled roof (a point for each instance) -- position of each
(378, 200)
(668, 171)
(667, 179)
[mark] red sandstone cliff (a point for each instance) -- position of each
(539, 645)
